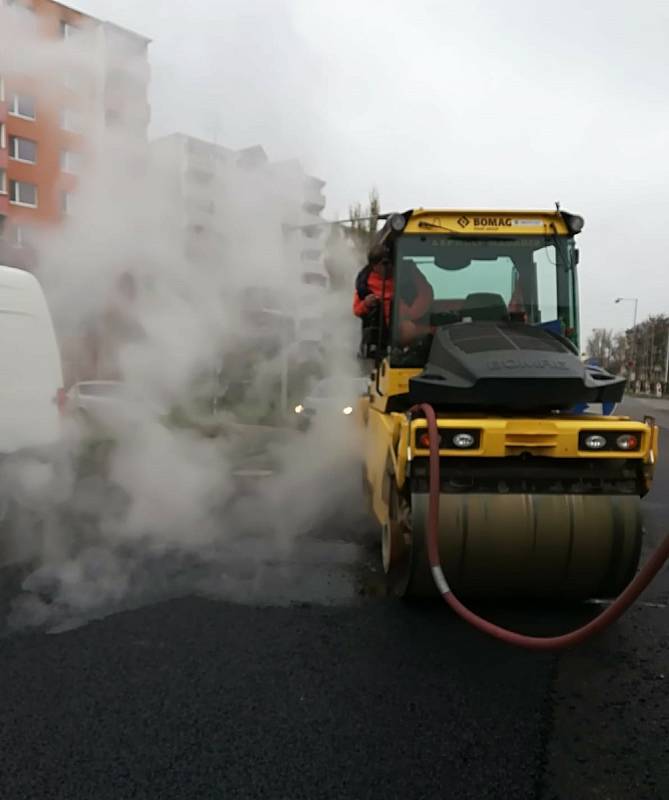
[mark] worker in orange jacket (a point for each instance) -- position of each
(375, 287)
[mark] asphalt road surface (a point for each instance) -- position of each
(356, 697)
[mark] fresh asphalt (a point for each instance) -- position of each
(366, 698)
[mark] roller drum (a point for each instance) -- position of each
(528, 546)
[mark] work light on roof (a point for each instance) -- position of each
(398, 222)
(573, 222)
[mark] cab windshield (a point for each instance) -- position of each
(528, 279)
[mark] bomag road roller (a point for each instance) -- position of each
(539, 489)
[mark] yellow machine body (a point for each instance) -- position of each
(519, 515)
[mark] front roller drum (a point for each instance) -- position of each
(519, 545)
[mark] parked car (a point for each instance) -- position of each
(335, 395)
(110, 404)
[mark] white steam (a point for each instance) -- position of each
(149, 281)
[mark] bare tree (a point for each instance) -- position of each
(348, 242)
(364, 220)
(600, 346)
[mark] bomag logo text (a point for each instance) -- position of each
(515, 363)
(492, 222)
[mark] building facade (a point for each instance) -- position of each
(67, 81)
(237, 205)
(259, 225)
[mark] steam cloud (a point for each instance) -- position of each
(168, 509)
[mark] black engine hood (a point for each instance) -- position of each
(509, 366)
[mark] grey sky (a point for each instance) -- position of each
(442, 103)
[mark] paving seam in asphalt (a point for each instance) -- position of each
(547, 729)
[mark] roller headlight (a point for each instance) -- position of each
(611, 441)
(464, 441)
(347, 411)
(299, 409)
(450, 439)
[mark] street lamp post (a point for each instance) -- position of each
(634, 300)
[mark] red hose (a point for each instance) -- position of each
(611, 614)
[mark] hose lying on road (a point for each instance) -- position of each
(612, 613)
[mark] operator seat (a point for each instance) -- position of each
(485, 306)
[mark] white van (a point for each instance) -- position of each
(31, 400)
(31, 374)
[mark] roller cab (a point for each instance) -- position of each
(539, 488)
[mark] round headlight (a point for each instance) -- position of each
(595, 441)
(627, 441)
(347, 411)
(299, 409)
(463, 440)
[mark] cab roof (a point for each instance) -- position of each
(479, 221)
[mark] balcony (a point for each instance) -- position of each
(313, 207)
(315, 279)
(4, 205)
(314, 199)
(200, 214)
(311, 256)
(201, 162)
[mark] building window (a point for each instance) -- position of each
(20, 235)
(22, 193)
(3, 181)
(67, 31)
(22, 105)
(2, 89)
(24, 12)
(314, 279)
(198, 176)
(23, 149)
(66, 202)
(70, 121)
(72, 80)
(70, 162)
(112, 117)
(3, 136)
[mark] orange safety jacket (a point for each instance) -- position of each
(414, 307)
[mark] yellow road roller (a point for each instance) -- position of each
(476, 314)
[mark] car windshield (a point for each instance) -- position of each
(524, 278)
(337, 388)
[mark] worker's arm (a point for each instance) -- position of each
(424, 297)
(362, 307)
(359, 307)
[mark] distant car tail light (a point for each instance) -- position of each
(61, 400)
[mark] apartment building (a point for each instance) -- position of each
(67, 81)
(305, 240)
(234, 205)
(217, 189)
